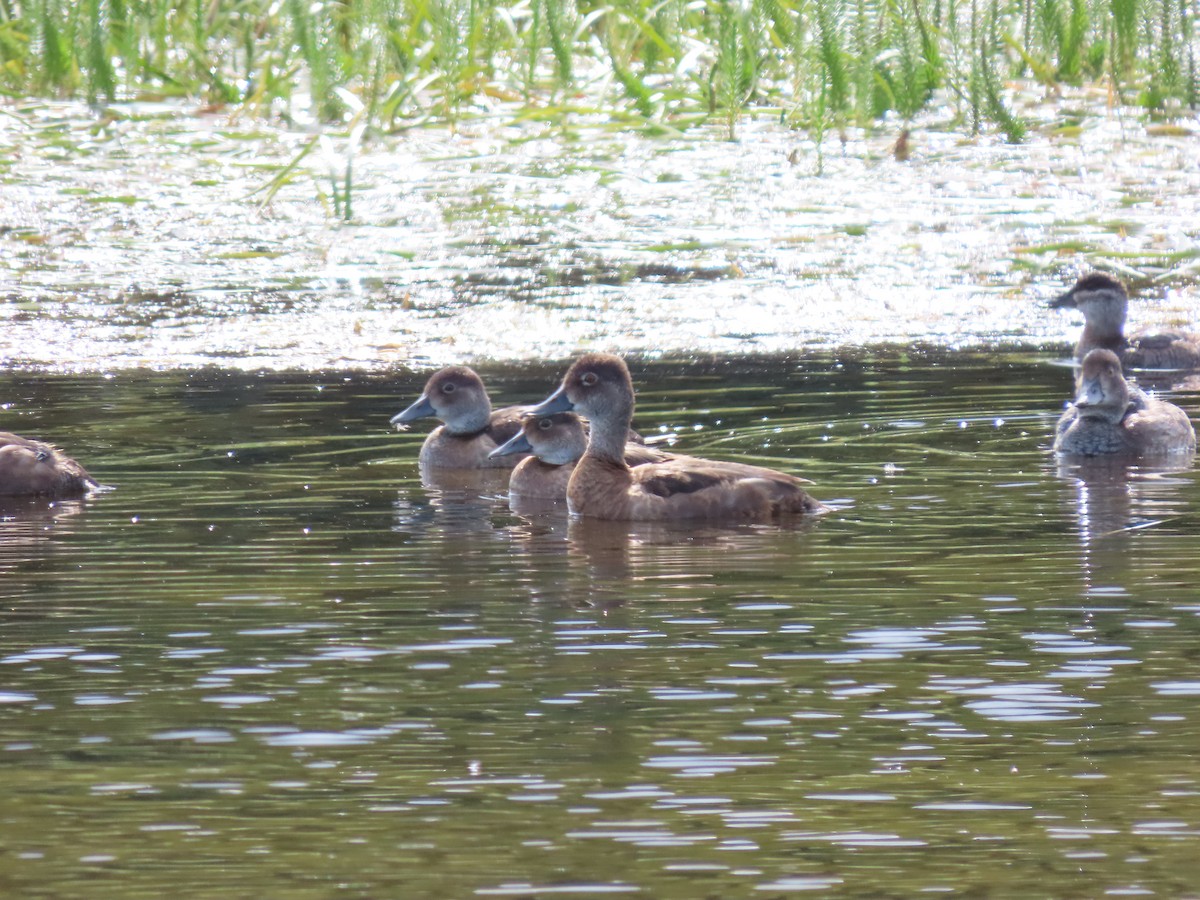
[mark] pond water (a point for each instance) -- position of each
(271, 661)
(139, 237)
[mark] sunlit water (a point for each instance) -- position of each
(271, 662)
(148, 235)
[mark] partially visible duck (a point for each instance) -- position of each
(1104, 303)
(471, 428)
(32, 468)
(557, 441)
(603, 485)
(1110, 415)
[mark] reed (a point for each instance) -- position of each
(660, 63)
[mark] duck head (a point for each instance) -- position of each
(1101, 298)
(557, 439)
(597, 386)
(455, 395)
(1102, 392)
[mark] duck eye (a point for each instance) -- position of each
(448, 387)
(588, 379)
(545, 424)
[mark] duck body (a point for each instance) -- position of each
(1105, 304)
(1111, 416)
(1169, 350)
(605, 486)
(32, 468)
(557, 441)
(471, 429)
(683, 488)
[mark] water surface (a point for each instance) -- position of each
(271, 661)
(148, 236)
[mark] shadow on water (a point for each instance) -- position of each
(273, 660)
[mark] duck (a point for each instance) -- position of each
(604, 486)
(1104, 303)
(30, 468)
(1110, 415)
(471, 429)
(557, 441)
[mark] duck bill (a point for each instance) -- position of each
(1090, 393)
(1064, 301)
(555, 403)
(518, 443)
(418, 410)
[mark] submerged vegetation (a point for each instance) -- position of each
(666, 63)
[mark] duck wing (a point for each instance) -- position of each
(668, 479)
(640, 455)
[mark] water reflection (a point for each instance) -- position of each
(1113, 499)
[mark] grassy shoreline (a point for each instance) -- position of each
(395, 64)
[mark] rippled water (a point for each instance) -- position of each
(271, 661)
(139, 237)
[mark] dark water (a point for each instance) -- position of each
(272, 662)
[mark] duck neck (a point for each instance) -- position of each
(470, 422)
(1097, 338)
(1104, 326)
(607, 439)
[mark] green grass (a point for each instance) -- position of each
(659, 64)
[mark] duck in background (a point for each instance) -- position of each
(1111, 416)
(471, 429)
(1104, 303)
(604, 486)
(557, 441)
(31, 468)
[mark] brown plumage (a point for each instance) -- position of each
(1104, 304)
(604, 486)
(29, 468)
(1110, 415)
(471, 429)
(557, 441)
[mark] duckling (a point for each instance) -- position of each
(1110, 415)
(32, 468)
(557, 441)
(472, 429)
(1104, 303)
(603, 485)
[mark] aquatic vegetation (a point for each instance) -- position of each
(654, 63)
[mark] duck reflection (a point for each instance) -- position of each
(1114, 499)
(31, 529)
(616, 559)
(456, 502)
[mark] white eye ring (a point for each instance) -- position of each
(589, 378)
(545, 424)
(448, 387)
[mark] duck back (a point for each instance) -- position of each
(34, 468)
(684, 488)
(1172, 350)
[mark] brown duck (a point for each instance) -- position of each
(604, 486)
(557, 441)
(32, 468)
(1104, 303)
(1110, 415)
(471, 429)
